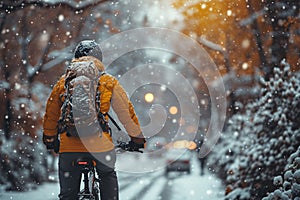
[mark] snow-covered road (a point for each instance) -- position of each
(144, 186)
(156, 186)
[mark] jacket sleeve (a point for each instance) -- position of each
(126, 114)
(52, 113)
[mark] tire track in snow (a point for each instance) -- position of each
(135, 189)
(126, 180)
(146, 188)
(154, 193)
(166, 191)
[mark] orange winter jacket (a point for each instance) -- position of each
(111, 95)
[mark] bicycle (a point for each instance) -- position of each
(87, 166)
(91, 188)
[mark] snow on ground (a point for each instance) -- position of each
(145, 185)
(156, 186)
(48, 191)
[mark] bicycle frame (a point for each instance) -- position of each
(91, 183)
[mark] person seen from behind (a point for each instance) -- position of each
(97, 146)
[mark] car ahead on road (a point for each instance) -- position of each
(178, 160)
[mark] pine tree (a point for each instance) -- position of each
(288, 184)
(257, 144)
(23, 162)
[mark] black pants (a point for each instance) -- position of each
(70, 176)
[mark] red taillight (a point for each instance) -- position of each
(82, 163)
(186, 161)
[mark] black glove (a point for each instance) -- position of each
(51, 142)
(135, 146)
(48, 141)
(130, 146)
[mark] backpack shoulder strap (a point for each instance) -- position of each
(98, 93)
(98, 103)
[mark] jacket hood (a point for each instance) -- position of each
(97, 62)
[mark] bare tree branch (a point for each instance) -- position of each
(216, 47)
(39, 66)
(256, 32)
(13, 5)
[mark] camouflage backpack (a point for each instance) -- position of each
(80, 111)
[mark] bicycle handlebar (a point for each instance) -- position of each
(130, 147)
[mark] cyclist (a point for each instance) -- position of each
(100, 148)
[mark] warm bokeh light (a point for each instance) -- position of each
(179, 144)
(173, 110)
(183, 144)
(192, 145)
(245, 66)
(229, 12)
(149, 97)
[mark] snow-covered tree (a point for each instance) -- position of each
(256, 144)
(23, 162)
(23, 157)
(288, 183)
